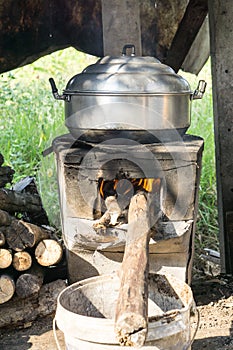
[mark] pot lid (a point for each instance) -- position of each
(128, 75)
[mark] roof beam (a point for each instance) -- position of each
(189, 26)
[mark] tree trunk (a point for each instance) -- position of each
(131, 309)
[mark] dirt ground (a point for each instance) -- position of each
(214, 300)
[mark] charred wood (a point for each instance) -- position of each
(6, 175)
(28, 185)
(17, 202)
(21, 235)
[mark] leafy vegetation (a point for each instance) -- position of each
(31, 118)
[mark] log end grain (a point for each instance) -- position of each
(28, 284)
(48, 252)
(7, 288)
(5, 258)
(22, 261)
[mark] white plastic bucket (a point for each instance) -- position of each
(85, 314)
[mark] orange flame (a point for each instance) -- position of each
(107, 187)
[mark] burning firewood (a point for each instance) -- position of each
(110, 216)
(131, 310)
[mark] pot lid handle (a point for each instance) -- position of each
(128, 46)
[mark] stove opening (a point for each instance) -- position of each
(116, 195)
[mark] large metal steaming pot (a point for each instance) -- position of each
(127, 96)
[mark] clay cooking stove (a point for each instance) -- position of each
(96, 184)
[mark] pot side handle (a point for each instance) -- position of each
(200, 90)
(55, 93)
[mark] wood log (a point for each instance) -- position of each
(20, 235)
(28, 185)
(6, 175)
(5, 218)
(48, 252)
(19, 312)
(131, 309)
(7, 288)
(2, 239)
(5, 258)
(30, 283)
(22, 261)
(18, 202)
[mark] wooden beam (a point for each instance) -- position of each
(121, 26)
(221, 49)
(189, 26)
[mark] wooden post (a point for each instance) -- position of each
(121, 25)
(221, 38)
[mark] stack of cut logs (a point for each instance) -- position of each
(30, 252)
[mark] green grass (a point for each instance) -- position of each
(31, 118)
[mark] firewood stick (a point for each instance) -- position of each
(5, 258)
(20, 235)
(111, 214)
(2, 238)
(7, 288)
(30, 282)
(22, 261)
(131, 320)
(48, 252)
(5, 218)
